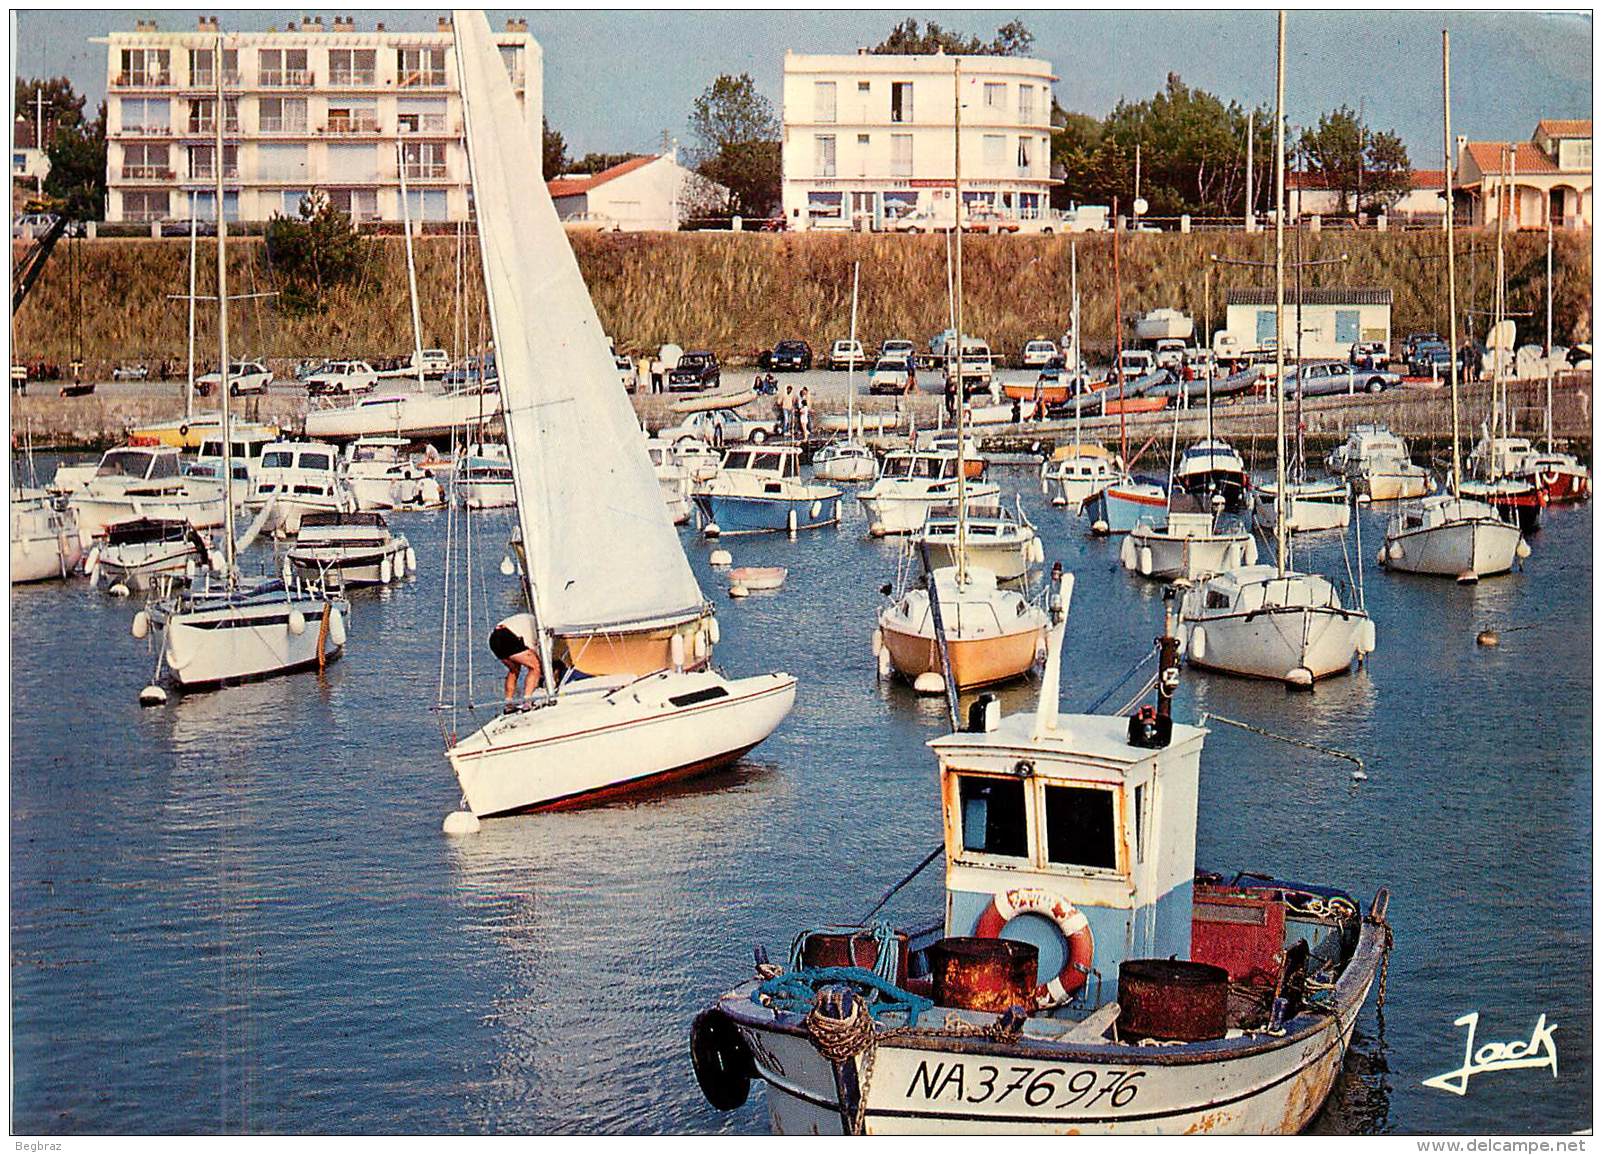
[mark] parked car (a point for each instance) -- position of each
(32, 224)
(342, 378)
(436, 363)
(132, 373)
(846, 354)
(896, 347)
(1037, 354)
(1137, 363)
(244, 377)
(720, 427)
(1371, 355)
(1430, 359)
(1579, 358)
(974, 366)
(697, 370)
(1169, 354)
(1414, 340)
(919, 221)
(981, 218)
(787, 356)
(892, 375)
(1328, 378)
(626, 372)
(181, 228)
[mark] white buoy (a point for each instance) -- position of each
(929, 682)
(508, 566)
(1099, 527)
(1198, 643)
(886, 665)
(720, 559)
(711, 529)
(1467, 578)
(118, 591)
(411, 559)
(141, 624)
(1395, 551)
(714, 632)
(152, 695)
(702, 647)
(1367, 637)
(1301, 678)
(738, 591)
(1359, 776)
(460, 822)
(1382, 556)
(1523, 549)
(1037, 551)
(1126, 553)
(878, 642)
(297, 623)
(791, 520)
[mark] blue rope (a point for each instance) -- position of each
(795, 992)
(887, 958)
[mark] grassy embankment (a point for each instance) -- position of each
(739, 293)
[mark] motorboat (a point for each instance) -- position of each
(1057, 986)
(143, 481)
(673, 478)
(990, 633)
(569, 422)
(1450, 536)
(845, 460)
(1212, 466)
(1376, 463)
(1558, 476)
(249, 442)
(137, 553)
(701, 461)
(483, 478)
(341, 549)
(1119, 507)
(296, 478)
(1185, 545)
(1314, 505)
(1003, 542)
(1078, 473)
(44, 540)
(760, 490)
(911, 483)
(974, 466)
(382, 477)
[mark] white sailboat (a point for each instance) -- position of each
(568, 423)
(846, 458)
(1183, 543)
(1270, 621)
(1448, 534)
(44, 540)
(224, 627)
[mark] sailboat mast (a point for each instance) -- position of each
(1499, 304)
(1281, 534)
(956, 298)
(189, 385)
(1549, 332)
(1300, 471)
(851, 362)
(1073, 369)
(411, 265)
(1451, 258)
(222, 325)
(1118, 344)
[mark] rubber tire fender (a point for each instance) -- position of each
(722, 1061)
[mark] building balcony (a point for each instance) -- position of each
(418, 170)
(343, 79)
(433, 124)
(142, 80)
(287, 78)
(278, 126)
(209, 174)
(147, 172)
(208, 80)
(422, 79)
(144, 130)
(208, 128)
(355, 126)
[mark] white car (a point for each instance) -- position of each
(894, 348)
(243, 377)
(627, 374)
(892, 375)
(436, 363)
(342, 378)
(1170, 353)
(1137, 363)
(718, 427)
(847, 354)
(1037, 354)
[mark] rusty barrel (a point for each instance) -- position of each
(1172, 999)
(983, 974)
(849, 949)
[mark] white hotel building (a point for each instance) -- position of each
(869, 139)
(335, 110)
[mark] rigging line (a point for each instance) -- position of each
(1151, 684)
(1204, 717)
(1114, 688)
(889, 894)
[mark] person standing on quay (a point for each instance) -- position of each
(803, 412)
(786, 411)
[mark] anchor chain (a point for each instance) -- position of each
(1385, 956)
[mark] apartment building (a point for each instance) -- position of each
(869, 140)
(332, 109)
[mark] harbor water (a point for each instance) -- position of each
(237, 912)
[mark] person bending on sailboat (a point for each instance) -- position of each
(515, 641)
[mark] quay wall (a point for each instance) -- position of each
(109, 301)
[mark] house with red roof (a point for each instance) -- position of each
(1544, 179)
(1310, 194)
(641, 194)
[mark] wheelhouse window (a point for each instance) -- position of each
(316, 461)
(993, 816)
(1079, 827)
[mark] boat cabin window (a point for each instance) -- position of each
(119, 463)
(316, 461)
(897, 466)
(1217, 600)
(993, 819)
(278, 459)
(1079, 827)
(1140, 823)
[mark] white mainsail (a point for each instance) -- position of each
(602, 552)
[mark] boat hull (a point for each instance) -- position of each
(1276, 643)
(414, 416)
(209, 648)
(737, 513)
(1562, 486)
(1484, 547)
(135, 565)
(1157, 555)
(351, 567)
(45, 545)
(598, 743)
(96, 514)
(1330, 510)
(487, 494)
(975, 662)
(1397, 486)
(893, 513)
(1116, 510)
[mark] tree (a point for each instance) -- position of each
(77, 177)
(739, 144)
(1356, 161)
(62, 105)
(313, 253)
(554, 151)
(908, 39)
(593, 162)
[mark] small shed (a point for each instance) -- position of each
(1332, 320)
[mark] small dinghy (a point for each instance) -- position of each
(350, 549)
(758, 577)
(139, 550)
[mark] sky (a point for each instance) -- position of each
(615, 80)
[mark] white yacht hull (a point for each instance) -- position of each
(351, 567)
(1307, 515)
(1483, 547)
(487, 494)
(410, 415)
(135, 565)
(845, 469)
(1276, 643)
(1398, 486)
(1157, 555)
(97, 512)
(1073, 492)
(44, 544)
(596, 742)
(384, 493)
(895, 512)
(213, 647)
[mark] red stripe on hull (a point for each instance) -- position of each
(633, 786)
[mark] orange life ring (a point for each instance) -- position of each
(1009, 904)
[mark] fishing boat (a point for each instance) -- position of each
(1450, 534)
(974, 465)
(1120, 507)
(672, 478)
(296, 478)
(249, 442)
(1375, 463)
(1271, 621)
(1212, 466)
(1004, 542)
(141, 550)
(483, 478)
(1082, 976)
(224, 627)
(381, 477)
(568, 422)
(1314, 505)
(957, 628)
(342, 549)
(44, 540)
(912, 482)
(760, 490)
(143, 481)
(845, 460)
